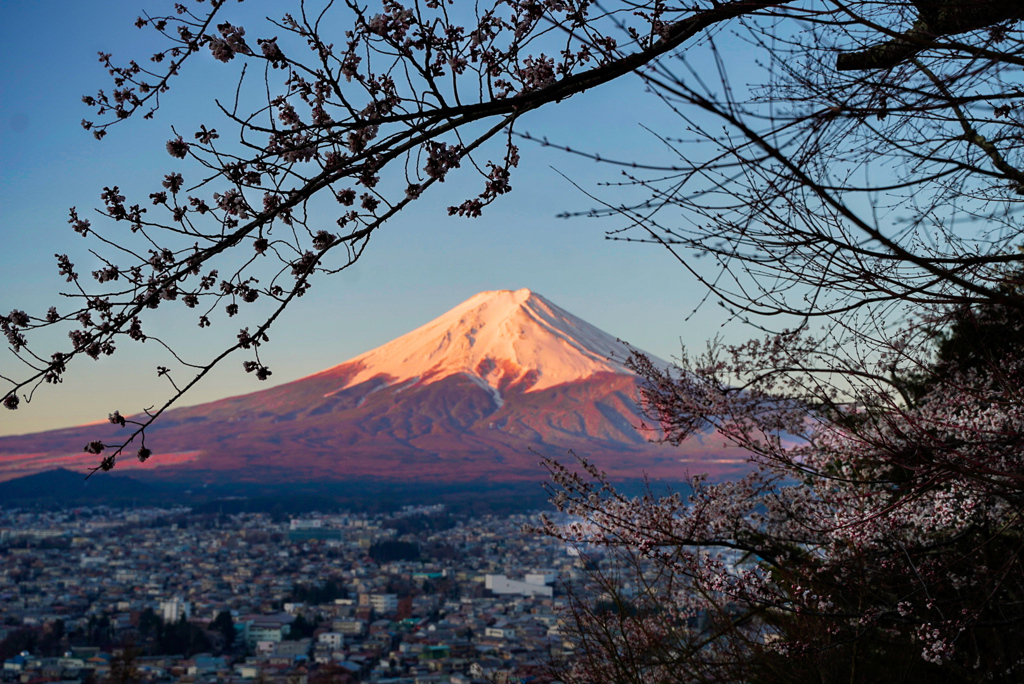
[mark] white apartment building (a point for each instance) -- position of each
(502, 585)
(175, 609)
(334, 640)
(384, 603)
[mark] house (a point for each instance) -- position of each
(334, 640)
(272, 628)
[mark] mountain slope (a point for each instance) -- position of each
(479, 393)
(504, 339)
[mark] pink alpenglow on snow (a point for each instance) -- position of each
(499, 338)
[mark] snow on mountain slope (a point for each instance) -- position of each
(501, 339)
(480, 393)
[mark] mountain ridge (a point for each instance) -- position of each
(481, 392)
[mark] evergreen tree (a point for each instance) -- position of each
(224, 624)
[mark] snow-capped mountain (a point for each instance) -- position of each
(503, 340)
(480, 392)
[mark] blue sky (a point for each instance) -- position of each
(415, 269)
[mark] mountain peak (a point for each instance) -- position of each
(455, 400)
(502, 339)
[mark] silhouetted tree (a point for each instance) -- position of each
(16, 641)
(150, 623)
(182, 638)
(880, 540)
(124, 667)
(225, 626)
(314, 594)
(391, 550)
(301, 628)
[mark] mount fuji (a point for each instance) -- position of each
(480, 393)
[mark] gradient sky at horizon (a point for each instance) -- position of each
(415, 269)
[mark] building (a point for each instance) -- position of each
(175, 610)
(267, 628)
(502, 585)
(334, 640)
(384, 603)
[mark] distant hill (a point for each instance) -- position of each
(56, 489)
(63, 486)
